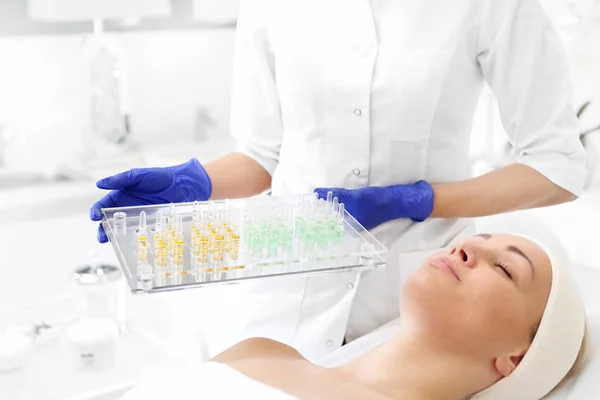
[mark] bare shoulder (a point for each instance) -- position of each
(256, 348)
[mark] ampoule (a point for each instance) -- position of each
(339, 232)
(228, 228)
(234, 245)
(157, 226)
(161, 247)
(195, 211)
(272, 229)
(203, 246)
(179, 245)
(321, 223)
(219, 246)
(142, 254)
(120, 223)
(173, 213)
(201, 250)
(195, 228)
(210, 216)
(341, 212)
(142, 233)
(249, 232)
(144, 272)
(171, 231)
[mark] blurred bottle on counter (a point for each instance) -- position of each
(108, 128)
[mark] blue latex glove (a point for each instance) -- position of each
(373, 206)
(177, 184)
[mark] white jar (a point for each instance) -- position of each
(100, 293)
(93, 343)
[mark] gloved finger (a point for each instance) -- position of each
(105, 202)
(116, 198)
(122, 180)
(148, 180)
(322, 192)
(102, 238)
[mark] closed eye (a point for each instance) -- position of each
(503, 269)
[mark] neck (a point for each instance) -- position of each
(411, 366)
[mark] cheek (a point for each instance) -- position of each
(481, 311)
(431, 300)
(495, 312)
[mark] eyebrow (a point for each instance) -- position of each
(518, 251)
(515, 250)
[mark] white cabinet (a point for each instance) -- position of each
(216, 10)
(83, 10)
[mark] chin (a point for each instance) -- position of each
(431, 300)
(430, 283)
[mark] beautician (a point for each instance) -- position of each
(374, 100)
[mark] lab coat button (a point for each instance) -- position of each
(357, 112)
(329, 343)
(350, 286)
(356, 171)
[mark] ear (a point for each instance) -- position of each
(506, 364)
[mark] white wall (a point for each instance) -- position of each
(170, 76)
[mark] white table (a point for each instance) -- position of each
(50, 373)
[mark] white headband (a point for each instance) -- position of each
(557, 343)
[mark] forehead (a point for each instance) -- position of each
(534, 251)
(539, 258)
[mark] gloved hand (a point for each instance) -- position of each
(180, 183)
(373, 206)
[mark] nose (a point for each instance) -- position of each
(465, 253)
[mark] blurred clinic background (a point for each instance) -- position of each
(89, 88)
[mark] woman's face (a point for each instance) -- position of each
(483, 298)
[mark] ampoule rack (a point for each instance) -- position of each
(175, 246)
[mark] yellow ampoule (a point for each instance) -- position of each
(161, 250)
(219, 247)
(203, 247)
(194, 234)
(234, 246)
(178, 252)
(142, 254)
(142, 233)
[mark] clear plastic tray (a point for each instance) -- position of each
(232, 241)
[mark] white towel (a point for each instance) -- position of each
(207, 381)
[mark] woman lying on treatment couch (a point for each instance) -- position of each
(496, 317)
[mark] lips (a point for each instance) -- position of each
(446, 264)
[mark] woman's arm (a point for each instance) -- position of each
(256, 348)
(523, 61)
(513, 187)
(237, 175)
(255, 121)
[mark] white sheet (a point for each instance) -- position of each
(210, 381)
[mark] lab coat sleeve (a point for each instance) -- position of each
(524, 62)
(255, 112)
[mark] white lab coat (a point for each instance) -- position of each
(355, 93)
